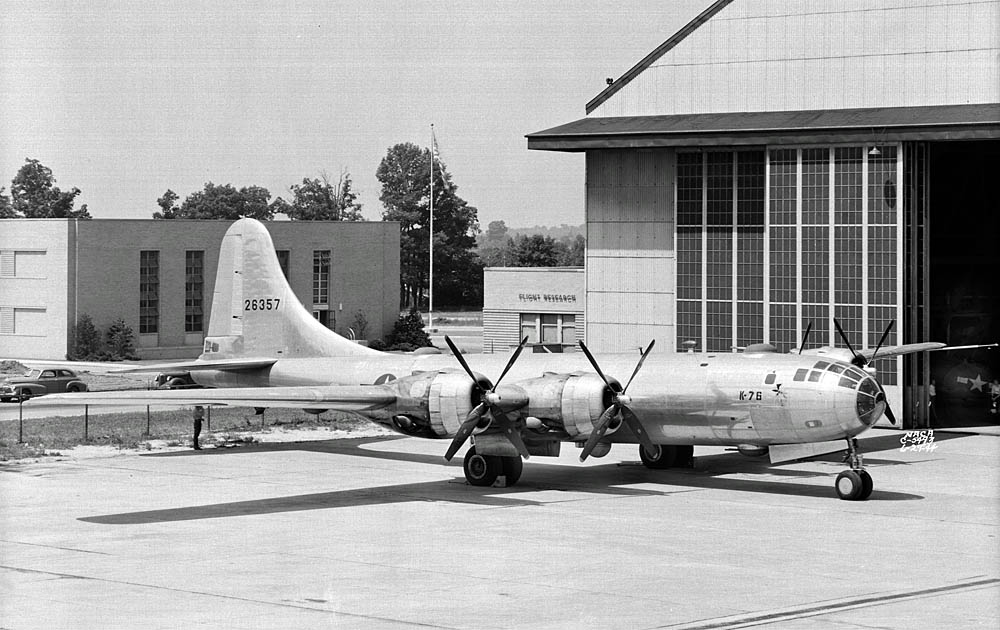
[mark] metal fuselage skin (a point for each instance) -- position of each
(690, 398)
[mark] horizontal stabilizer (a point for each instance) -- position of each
(247, 363)
(339, 397)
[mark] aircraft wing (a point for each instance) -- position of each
(908, 348)
(340, 397)
(247, 363)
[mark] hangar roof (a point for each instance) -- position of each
(868, 125)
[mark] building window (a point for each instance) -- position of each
(149, 292)
(194, 280)
(549, 328)
(284, 259)
(321, 276)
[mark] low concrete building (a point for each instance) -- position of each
(546, 305)
(159, 276)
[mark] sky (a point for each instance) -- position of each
(124, 100)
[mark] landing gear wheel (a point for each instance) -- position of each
(481, 470)
(849, 485)
(666, 455)
(866, 485)
(511, 468)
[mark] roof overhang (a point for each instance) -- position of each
(868, 126)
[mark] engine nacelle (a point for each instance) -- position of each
(432, 404)
(576, 401)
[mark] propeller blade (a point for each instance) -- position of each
(633, 423)
(510, 430)
(849, 346)
(602, 427)
(593, 362)
(642, 360)
(464, 432)
(805, 337)
(461, 359)
(881, 341)
(888, 414)
(510, 363)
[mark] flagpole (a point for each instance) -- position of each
(430, 281)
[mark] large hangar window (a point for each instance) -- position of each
(720, 248)
(829, 249)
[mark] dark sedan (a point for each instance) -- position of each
(38, 383)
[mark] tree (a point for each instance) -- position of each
(536, 251)
(120, 342)
(573, 251)
(408, 332)
(320, 200)
(496, 233)
(6, 210)
(405, 176)
(86, 340)
(34, 195)
(218, 202)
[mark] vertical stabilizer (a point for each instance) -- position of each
(254, 311)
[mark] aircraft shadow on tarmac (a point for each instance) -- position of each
(609, 480)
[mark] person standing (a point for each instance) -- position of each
(199, 415)
(994, 397)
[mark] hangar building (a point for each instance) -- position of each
(776, 164)
(159, 277)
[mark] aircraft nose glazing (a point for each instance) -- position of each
(870, 401)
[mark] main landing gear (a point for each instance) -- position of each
(484, 470)
(668, 456)
(854, 484)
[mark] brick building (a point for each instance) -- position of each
(159, 277)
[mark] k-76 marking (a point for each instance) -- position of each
(751, 395)
(262, 304)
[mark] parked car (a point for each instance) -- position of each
(38, 383)
(176, 380)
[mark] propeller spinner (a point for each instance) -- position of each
(489, 400)
(619, 406)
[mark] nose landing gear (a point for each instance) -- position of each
(854, 484)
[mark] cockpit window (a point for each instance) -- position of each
(827, 372)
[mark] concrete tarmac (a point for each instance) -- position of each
(382, 533)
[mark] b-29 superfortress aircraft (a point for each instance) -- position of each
(264, 349)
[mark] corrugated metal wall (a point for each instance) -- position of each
(630, 251)
(777, 55)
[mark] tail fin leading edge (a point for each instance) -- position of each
(254, 311)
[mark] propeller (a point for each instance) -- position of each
(860, 361)
(805, 337)
(489, 400)
(619, 406)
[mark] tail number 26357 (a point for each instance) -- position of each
(262, 304)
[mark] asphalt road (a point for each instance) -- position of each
(382, 533)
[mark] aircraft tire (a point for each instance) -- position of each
(866, 485)
(511, 468)
(849, 485)
(665, 458)
(481, 470)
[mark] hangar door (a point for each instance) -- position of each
(952, 224)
